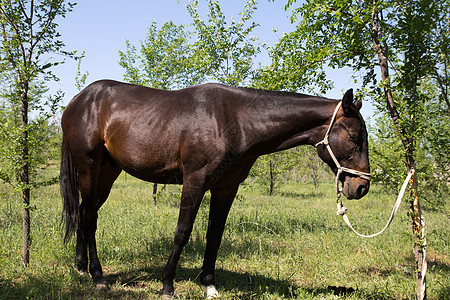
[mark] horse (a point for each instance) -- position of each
(205, 137)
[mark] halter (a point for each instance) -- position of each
(340, 168)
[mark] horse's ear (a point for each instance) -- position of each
(347, 101)
(358, 104)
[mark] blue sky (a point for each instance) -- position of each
(101, 27)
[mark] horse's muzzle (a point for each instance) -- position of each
(355, 188)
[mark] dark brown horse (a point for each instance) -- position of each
(205, 137)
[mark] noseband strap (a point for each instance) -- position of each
(340, 168)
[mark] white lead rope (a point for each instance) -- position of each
(341, 210)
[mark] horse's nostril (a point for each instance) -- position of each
(361, 190)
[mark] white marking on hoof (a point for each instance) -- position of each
(166, 297)
(211, 292)
(101, 286)
(81, 273)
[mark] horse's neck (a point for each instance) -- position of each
(285, 120)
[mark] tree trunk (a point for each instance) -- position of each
(316, 183)
(272, 177)
(155, 191)
(420, 243)
(25, 179)
(418, 221)
(26, 227)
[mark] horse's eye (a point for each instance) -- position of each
(353, 137)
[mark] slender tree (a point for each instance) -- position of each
(28, 33)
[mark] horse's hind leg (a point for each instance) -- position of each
(109, 171)
(96, 179)
(81, 251)
(221, 200)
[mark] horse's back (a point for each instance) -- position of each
(152, 134)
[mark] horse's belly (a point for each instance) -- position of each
(165, 177)
(149, 163)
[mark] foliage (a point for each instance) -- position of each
(225, 51)
(80, 79)
(310, 166)
(387, 154)
(43, 137)
(400, 34)
(168, 58)
(435, 148)
(300, 164)
(29, 33)
(291, 69)
(165, 59)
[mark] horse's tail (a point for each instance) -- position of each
(68, 180)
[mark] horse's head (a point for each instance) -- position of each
(344, 148)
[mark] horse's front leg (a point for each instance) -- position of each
(191, 198)
(221, 200)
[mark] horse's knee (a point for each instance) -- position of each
(182, 234)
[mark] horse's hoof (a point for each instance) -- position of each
(82, 272)
(211, 292)
(101, 286)
(166, 292)
(100, 283)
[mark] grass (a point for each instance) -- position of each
(291, 245)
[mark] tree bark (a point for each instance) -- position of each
(417, 219)
(272, 177)
(420, 243)
(155, 191)
(25, 178)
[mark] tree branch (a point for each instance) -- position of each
(443, 89)
(390, 104)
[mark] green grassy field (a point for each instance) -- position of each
(291, 245)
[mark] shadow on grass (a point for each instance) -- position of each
(144, 283)
(236, 285)
(239, 285)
